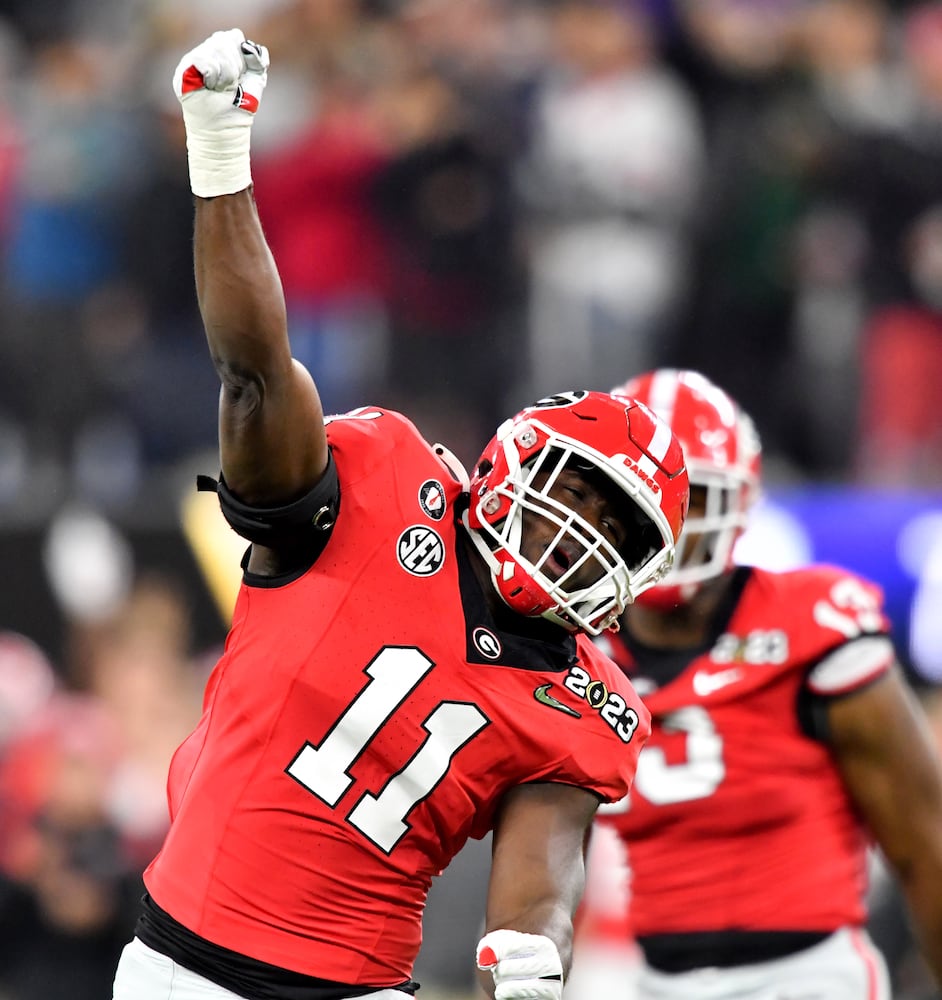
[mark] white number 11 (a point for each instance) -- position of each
(324, 770)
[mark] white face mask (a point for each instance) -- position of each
(616, 580)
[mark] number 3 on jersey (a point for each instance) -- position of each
(697, 776)
(324, 770)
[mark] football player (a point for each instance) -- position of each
(785, 742)
(409, 662)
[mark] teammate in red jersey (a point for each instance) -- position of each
(409, 662)
(784, 742)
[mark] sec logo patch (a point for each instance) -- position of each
(420, 550)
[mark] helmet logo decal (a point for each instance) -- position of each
(432, 499)
(714, 439)
(560, 399)
(486, 643)
(420, 550)
(648, 481)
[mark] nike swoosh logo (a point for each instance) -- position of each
(705, 683)
(543, 696)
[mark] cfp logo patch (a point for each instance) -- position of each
(432, 499)
(613, 708)
(420, 550)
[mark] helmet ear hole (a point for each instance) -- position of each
(484, 467)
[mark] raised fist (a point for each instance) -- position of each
(219, 85)
(524, 966)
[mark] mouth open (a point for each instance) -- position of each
(560, 560)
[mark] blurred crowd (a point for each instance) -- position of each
(475, 203)
(472, 204)
(84, 748)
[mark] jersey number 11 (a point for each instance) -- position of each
(324, 770)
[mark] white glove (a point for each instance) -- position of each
(524, 966)
(219, 85)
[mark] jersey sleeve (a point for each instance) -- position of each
(364, 438)
(607, 757)
(368, 435)
(851, 666)
(856, 646)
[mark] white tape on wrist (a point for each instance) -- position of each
(219, 160)
(219, 85)
(524, 966)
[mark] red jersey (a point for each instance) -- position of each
(365, 720)
(738, 819)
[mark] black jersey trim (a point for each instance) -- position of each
(525, 643)
(725, 949)
(238, 973)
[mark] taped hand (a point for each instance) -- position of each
(219, 85)
(524, 966)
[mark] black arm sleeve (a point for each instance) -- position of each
(305, 523)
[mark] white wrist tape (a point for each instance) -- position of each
(219, 85)
(219, 159)
(524, 966)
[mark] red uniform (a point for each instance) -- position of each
(738, 819)
(365, 720)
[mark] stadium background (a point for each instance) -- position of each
(473, 204)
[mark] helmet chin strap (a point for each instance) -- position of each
(521, 593)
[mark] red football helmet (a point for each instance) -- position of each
(723, 456)
(617, 441)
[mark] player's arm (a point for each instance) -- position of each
(536, 882)
(891, 768)
(273, 446)
(272, 439)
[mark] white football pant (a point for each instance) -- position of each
(145, 974)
